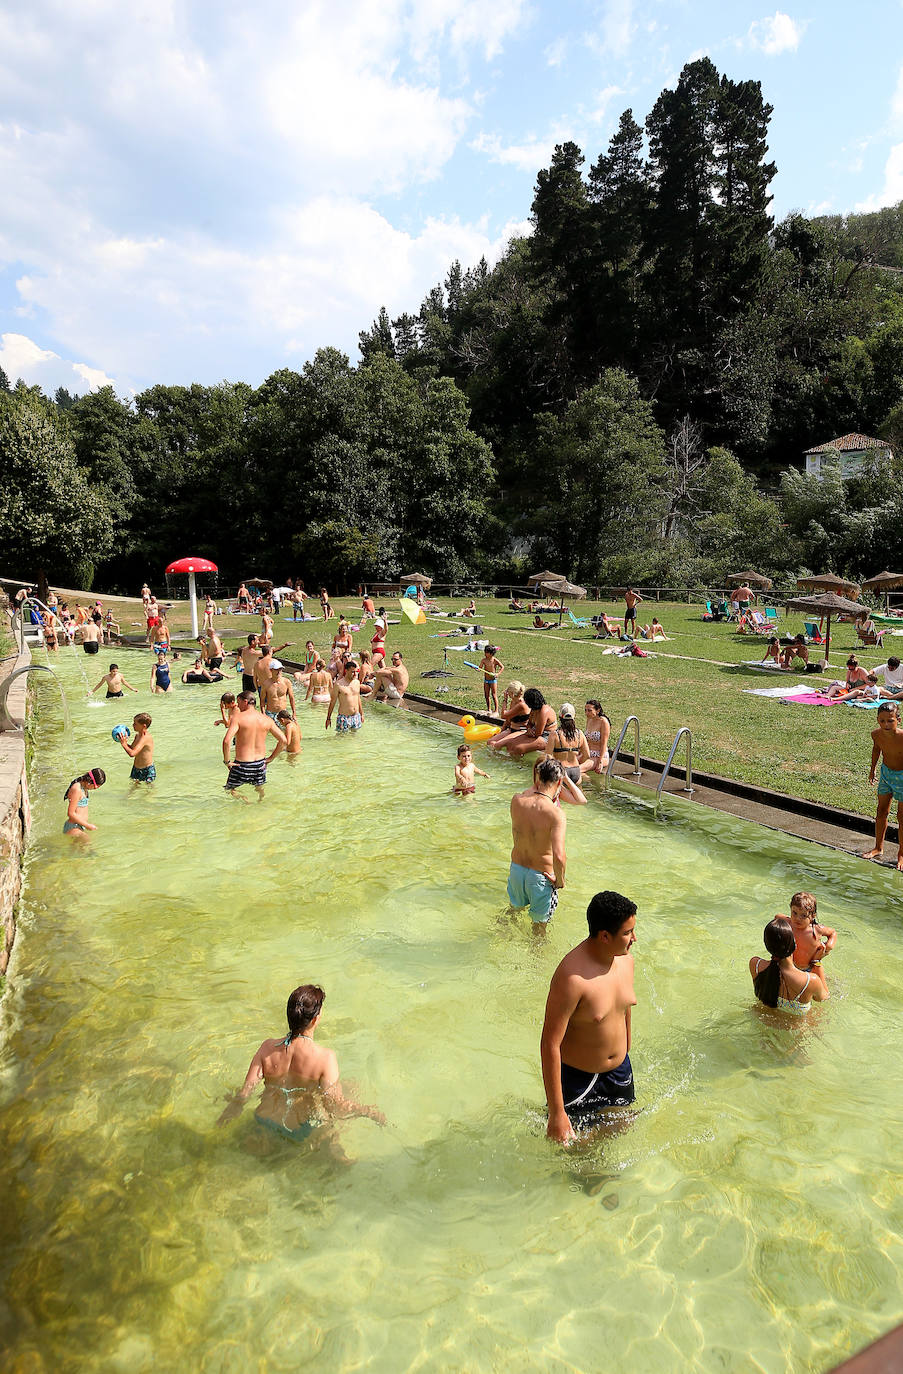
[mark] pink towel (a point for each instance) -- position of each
(810, 699)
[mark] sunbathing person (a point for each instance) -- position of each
(855, 677)
(470, 610)
(605, 628)
(773, 651)
(540, 624)
(651, 631)
(798, 649)
(515, 605)
(870, 692)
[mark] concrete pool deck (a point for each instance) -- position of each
(806, 820)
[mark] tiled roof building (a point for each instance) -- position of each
(849, 451)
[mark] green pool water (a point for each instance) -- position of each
(752, 1219)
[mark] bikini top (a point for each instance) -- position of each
(568, 748)
(792, 1004)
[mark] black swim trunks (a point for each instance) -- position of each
(247, 682)
(587, 1096)
(91, 646)
(114, 694)
(253, 771)
(215, 662)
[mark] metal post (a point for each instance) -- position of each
(613, 754)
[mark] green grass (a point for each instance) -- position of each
(695, 679)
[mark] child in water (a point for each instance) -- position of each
(465, 771)
(813, 941)
(76, 795)
(226, 707)
(491, 668)
(115, 683)
(160, 681)
(292, 731)
(142, 751)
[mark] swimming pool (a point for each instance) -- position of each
(752, 1218)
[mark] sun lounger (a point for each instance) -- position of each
(580, 622)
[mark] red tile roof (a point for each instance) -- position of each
(850, 442)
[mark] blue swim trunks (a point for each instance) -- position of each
(348, 722)
(143, 774)
(890, 782)
(526, 887)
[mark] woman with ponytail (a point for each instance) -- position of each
(76, 795)
(777, 981)
(300, 1078)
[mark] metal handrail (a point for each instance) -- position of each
(688, 772)
(613, 754)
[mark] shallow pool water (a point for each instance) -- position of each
(750, 1219)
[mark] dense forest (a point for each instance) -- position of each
(627, 394)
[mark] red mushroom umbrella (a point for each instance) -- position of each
(192, 566)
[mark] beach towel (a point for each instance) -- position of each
(777, 691)
(769, 666)
(865, 705)
(809, 699)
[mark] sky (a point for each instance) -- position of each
(198, 191)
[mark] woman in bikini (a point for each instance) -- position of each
(855, 677)
(598, 730)
(532, 739)
(568, 744)
(365, 673)
(778, 983)
(515, 713)
(341, 643)
(319, 685)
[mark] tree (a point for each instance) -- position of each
(4, 381)
(50, 514)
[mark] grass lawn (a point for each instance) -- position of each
(695, 679)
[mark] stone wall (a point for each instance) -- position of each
(15, 812)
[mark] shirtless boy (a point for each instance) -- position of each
(585, 1043)
(346, 694)
(465, 772)
(631, 601)
(227, 708)
(142, 751)
(115, 683)
(249, 729)
(887, 744)
(491, 667)
(287, 723)
(538, 860)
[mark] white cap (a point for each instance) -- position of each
(567, 710)
(274, 664)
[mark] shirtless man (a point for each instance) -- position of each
(319, 685)
(277, 695)
(537, 858)
(249, 654)
(263, 671)
(91, 637)
(300, 1078)
(586, 1033)
(392, 683)
(249, 729)
(631, 600)
(887, 745)
(214, 653)
(115, 683)
(346, 694)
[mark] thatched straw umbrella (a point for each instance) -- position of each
(884, 582)
(560, 587)
(825, 603)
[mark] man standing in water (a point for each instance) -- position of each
(249, 729)
(346, 693)
(249, 654)
(586, 1067)
(537, 859)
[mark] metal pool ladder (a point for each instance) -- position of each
(613, 755)
(688, 772)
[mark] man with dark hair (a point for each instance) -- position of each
(586, 1033)
(537, 858)
(249, 729)
(249, 655)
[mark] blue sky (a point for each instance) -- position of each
(198, 191)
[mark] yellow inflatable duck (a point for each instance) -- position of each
(477, 733)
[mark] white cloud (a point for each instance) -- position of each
(22, 357)
(555, 52)
(778, 34)
(616, 29)
(892, 191)
(896, 104)
(603, 100)
(528, 156)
